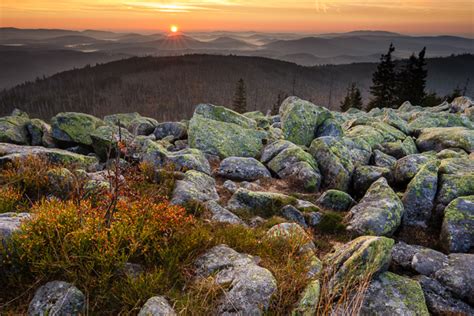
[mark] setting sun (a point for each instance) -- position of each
(173, 29)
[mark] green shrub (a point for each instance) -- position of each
(331, 223)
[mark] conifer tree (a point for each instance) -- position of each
(411, 80)
(383, 82)
(239, 103)
(353, 99)
(276, 106)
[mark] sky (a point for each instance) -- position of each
(320, 16)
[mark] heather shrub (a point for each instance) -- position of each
(11, 199)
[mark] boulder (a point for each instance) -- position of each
(379, 212)
(121, 119)
(364, 176)
(335, 200)
(292, 231)
(13, 129)
(458, 276)
(330, 127)
(222, 215)
(57, 298)
(74, 128)
(392, 294)
(360, 151)
(105, 140)
(407, 167)
(452, 186)
(308, 303)
(440, 138)
(10, 152)
(274, 148)
(427, 261)
(248, 287)
(156, 306)
(426, 120)
(40, 133)
(383, 160)
(10, 222)
(224, 139)
(293, 214)
(142, 126)
(439, 299)
(392, 118)
(177, 130)
(301, 119)
(356, 261)
(418, 199)
(402, 255)
(334, 162)
(457, 231)
(157, 155)
(223, 114)
(195, 187)
(242, 169)
(264, 204)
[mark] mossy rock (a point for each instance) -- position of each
(457, 231)
(407, 167)
(74, 128)
(195, 187)
(426, 120)
(452, 186)
(121, 119)
(379, 212)
(392, 294)
(40, 133)
(392, 118)
(263, 121)
(438, 139)
(224, 139)
(13, 129)
(419, 196)
(223, 114)
(335, 200)
(357, 261)
(105, 140)
(301, 119)
(334, 162)
(360, 151)
(369, 134)
(265, 204)
(308, 303)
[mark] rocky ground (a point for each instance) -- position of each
(390, 192)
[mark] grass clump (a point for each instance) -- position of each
(11, 199)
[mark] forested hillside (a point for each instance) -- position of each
(168, 88)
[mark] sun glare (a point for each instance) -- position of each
(174, 29)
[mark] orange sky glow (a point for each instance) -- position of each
(405, 16)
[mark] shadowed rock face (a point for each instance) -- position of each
(57, 298)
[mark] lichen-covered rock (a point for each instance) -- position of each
(105, 140)
(457, 231)
(439, 138)
(392, 118)
(295, 163)
(359, 149)
(427, 261)
(458, 276)
(424, 120)
(407, 167)
(40, 133)
(264, 204)
(177, 130)
(222, 215)
(402, 255)
(439, 299)
(452, 186)
(419, 196)
(357, 260)
(292, 231)
(10, 223)
(60, 182)
(392, 294)
(274, 148)
(157, 306)
(74, 128)
(308, 303)
(301, 119)
(195, 187)
(242, 169)
(330, 127)
(335, 200)
(57, 298)
(224, 139)
(293, 214)
(383, 160)
(249, 287)
(399, 149)
(364, 176)
(10, 152)
(334, 162)
(157, 155)
(223, 114)
(379, 212)
(13, 129)
(142, 126)
(121, 119)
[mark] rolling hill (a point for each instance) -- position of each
(168, 88)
